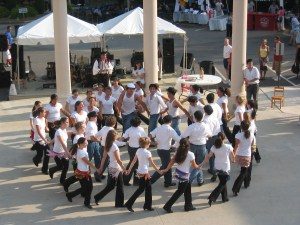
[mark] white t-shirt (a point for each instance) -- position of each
(155, 104)
(217, 111)
(139, 92)
(81, 165)
(100, 96)
(76, 137)
(197, 133)
(198, 95)
(222, 161)
(79, 117)
(193, 109)
(85, 102)
(108, 105)
(221, 100)
(53, 112)
(252, 74)
(227, 49)
(138, 74)
(244, 148)
(91, 130)
(164, 136)
(103, 133)
(252, 128)
(186, 165)
(143, 156)
(87, 110)
(133, 134)
(112, 159)
(57, 145)
(239, 109)
(213, 124)
(71, 101)
(116, 92)
(41, 122)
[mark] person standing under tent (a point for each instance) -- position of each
(103, 68)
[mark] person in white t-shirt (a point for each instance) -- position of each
(115, 170)
(138, 73)
(195, 90)
(185, 161)
(79, 115)
(86, 101)
(164, 136)
(222, 153)
(92, 106)
(144, 158)
(238, 115)
(32, 115)
(40, 141)
(71, 100)
(244, 143)
(227, 50)
(116, 87)
(83, 174)
(194, 105)
(217, 111)
(61, 153)
(133, 135)
(108, 104)
(138, 89)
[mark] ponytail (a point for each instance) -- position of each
(245, 128)
(110, 139)
(219, 141)
(75, 147)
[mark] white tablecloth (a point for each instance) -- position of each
(200, 18)
(218, 23)
(207, 80)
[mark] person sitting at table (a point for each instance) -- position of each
(273, 9)
(138, 73)
(103, 68)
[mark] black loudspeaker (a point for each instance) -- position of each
(137, 57)
(208, 67)
(5, 79)
(168, 47)
(95, 54)
(189, 60)
(14, 56)
(22, 70)
(168, 64)
(3, 43)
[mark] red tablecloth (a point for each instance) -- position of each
(250, 21)
(265, 21)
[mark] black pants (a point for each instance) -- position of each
(240, 179)
(183, 188)
(52, 130)
(144, 185)
(71, 180)
(226, 129)
(85, 189)
(165, 158)
(126, 178)
(111, 183)
(257, 155)
(252, 91)
(236, 129)
(41, 151)
(104, 79)
(61, 164)
(220, 189)
(228, 30)
(247, 179)
(106, 161)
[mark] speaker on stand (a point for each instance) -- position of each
(168, 55)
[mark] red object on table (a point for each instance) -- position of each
(265, 21)
(250, 21)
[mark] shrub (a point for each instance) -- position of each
(14, 14)
(40, 6)
(4, 12)
(10, 4)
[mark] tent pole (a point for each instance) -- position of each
(183, 63)
(18, 68)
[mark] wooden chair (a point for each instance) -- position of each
(278, 96)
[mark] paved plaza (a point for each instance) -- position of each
(29, 197)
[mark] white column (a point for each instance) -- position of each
(239, 48)
(61, 46)
(150, 41)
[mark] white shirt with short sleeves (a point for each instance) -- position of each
(58, 148)
(79, 117)
(252, 74)
(53, 112)
(197, 132)
(192, 109)
(164, 136)
(133, 134)
(155, 104)
(76, 137)
(186, 165)
(91, 130)
(87, 110)
(223, 100)
(116, 92)
(227, 49)
(71, 101)
(213, 124)
(41, 122)
(217, 111)
(103, 133)
(222, 160)
(143, 156)
(244, 148)
(239, 109)
(108, 105)
(139, 92)
(112, 159)
(138, 74)
(100, 96)
(81, 165)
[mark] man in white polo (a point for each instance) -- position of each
(251, 79)
(227, 49)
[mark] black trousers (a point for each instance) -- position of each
(185, 189)
(127, 178)
(252, 91)
(257, 155)
(61, 164)
(220, 189)
(240, 179)
(104, 79)
(85, 189)
(144, 185)
(111, 183)
(41, 152)
(69, 181)
(226, 129)
(236, 129)
(247, 179)
(165, 158)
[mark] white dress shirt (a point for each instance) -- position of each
(133, 134)
(91, 130)
(102, 67)
(213, 123)
(155, 104)
(197, 132)
(227, 49)
(252, 74)
(103, 133)
(164, 136)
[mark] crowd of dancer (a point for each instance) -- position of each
(91, 126)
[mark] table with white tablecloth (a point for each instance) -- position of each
(218, 23)
(199, 18)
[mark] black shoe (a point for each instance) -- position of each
(148, 208)
(170, 185)
(190, 209)
(201, 183)
(35, 162)
(235, 194)
(127, 184)
(129, 208)
(119, 206)
(257, 161)
(209, 202)
(45, 172)
(246, 186)
(50, 174)
(211, 171)
(69, 197)
(225, 200)
(66, 188)
(213, 178)
(103, 177)
(168, 210)
(88, 206)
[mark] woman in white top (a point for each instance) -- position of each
(238, 115)
(71, 100)
(108, 105)
(223, 94)
(79, 115)
(144, 157)
(86, 101)
(222, 153)
(116, 87)
(40, 140)
(138, 73)
(53, 114)
(185, 159)
(115, 170)
(244, 143)
(194, 106)
(37, 104)
(92, 107)
(82, 173)
(60, 151)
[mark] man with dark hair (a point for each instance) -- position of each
(103, 68)
(217, 110)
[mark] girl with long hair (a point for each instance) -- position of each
(37, 104)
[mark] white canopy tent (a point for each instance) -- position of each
(41, 32)
(132, 23)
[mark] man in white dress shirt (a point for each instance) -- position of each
(227, 50)
(103, 68)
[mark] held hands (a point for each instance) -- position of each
(161, 172)
(127, 172)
